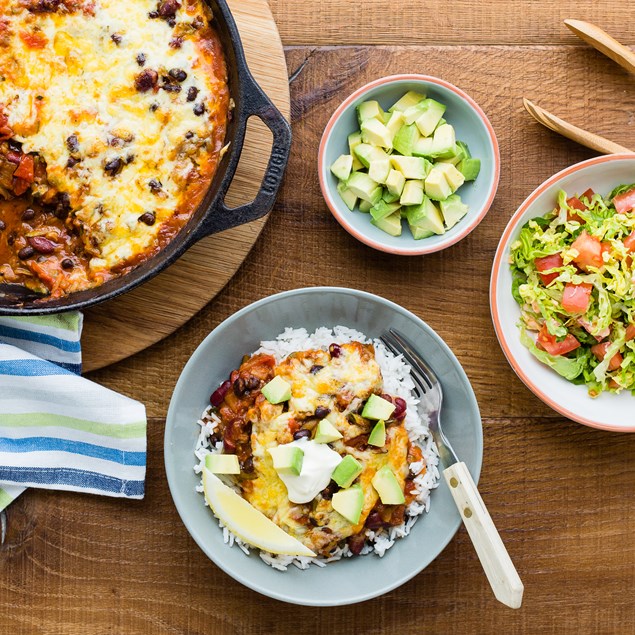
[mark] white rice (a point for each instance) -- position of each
(397, 381)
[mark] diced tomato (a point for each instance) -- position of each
(25, 169)
(548, 262)
(20, 186)
(629, 241)
(625, 202)
(589, 251)
(551, 344)
(630, 332)
(576, 297)
(599, 350)
(34, 40)
(575, 203)
(589, 194)
(14, 157)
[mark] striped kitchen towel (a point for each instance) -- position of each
(57, 429)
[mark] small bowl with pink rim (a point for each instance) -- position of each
(471, 125)
(609, 411)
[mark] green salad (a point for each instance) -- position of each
(574, 279)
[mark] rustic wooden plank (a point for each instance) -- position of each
(403, 22)
(447, 289)
(560, 495)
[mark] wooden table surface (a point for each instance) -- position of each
(561, 494)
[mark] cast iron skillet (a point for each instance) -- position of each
(212, 215)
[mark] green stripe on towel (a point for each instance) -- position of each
(45, 419)
(5, 499)
(65, 321)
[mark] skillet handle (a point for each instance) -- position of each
(254, 103)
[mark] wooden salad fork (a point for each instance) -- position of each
(610, 47)
(497, 564)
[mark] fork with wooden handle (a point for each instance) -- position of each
(497, 564)
(610, 47)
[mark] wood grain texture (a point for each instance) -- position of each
(560, 494)
(405, 22)
(136, 320)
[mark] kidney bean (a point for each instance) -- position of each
(321, 412)
(72, 162)
(172, 22)
(386, 397)
(176, 42)
(113, 166)
(316, 368)
(155, 185)
(400, 408)
(11, 239)
(374, 521)
(26, 252)
(146, 80)
(28, 214)
(15, 145)
(248, 465)
(335, 350)
(192, 93)
(41, 244)
(141, 59)
(3, 226)
(171, 88)
(14, 157)
(239, 387)
(199, 109)
(356, 543)
(67, 264)
(168, 8)
(252, 383)
(302, 434)
(179, 74)
(219, 394)
(229, 446)
(148, 218)
(116, 38)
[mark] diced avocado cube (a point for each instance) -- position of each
(390, 198)
(442, 122)
(287, 459)
(377, 408)
(354, 139)
(425, 219)
(364, 206)
(411, 167)
(342, 166)
(451, 160)
(409, 99)
(469, 168)
(370, 110)
(346, 195)
(405, 139)
(383, 209)
(367, 153)
(444, 145)
(429, 118)
(377, 437)
(379, 170)
(277, 390)
(423, 147)
(387, 486)
(326, 432)
(454, 178)
(349, 503)
(395, 182)
(222, 463)
(453, 210)
(436, 185)
(376, 133)
(394, 123)
(463, 150)
(411, 114)
(347, 470)
(412, 193)
(364, 187)
(389, 224)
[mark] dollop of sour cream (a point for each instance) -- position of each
(317, 466)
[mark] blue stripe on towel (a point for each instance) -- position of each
(31, 368)
(81, 479)
(51, 444)
(41, 338)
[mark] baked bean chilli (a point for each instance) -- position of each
(113, 116)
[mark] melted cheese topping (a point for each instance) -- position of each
(73, 74)
(340, 384)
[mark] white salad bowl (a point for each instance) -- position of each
(351, 579)
(609, 411)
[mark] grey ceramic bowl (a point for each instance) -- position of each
(350, 580)
(471, 125)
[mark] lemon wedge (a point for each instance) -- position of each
(246, 522)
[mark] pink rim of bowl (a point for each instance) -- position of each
(499, 261)
(472, 224)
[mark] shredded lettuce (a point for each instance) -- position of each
(611, 307)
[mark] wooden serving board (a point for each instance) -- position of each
(129, 324)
